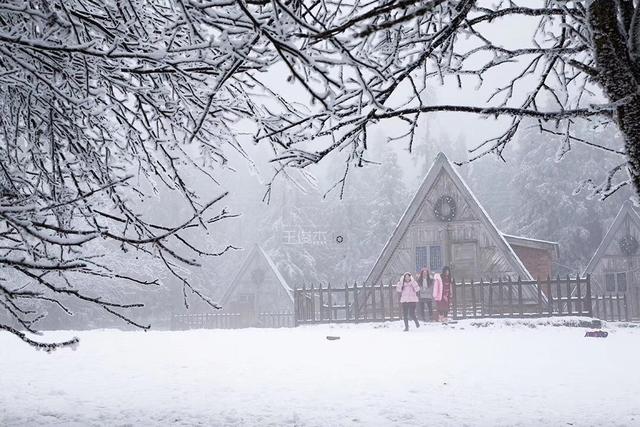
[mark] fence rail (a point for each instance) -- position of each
(611, 307)
(568, 296)
(232, 320)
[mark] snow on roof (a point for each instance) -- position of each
(442, 163)
(626, 210)
(533, 243)
(257, 251)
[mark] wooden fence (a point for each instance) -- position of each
(611, 307)
(231, 320)
(347, 304)
(569, 296)
(502, 298)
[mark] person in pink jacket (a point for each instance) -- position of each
(442, 293)
(408, 289)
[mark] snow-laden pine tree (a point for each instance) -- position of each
(549, 195)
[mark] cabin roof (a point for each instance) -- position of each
(528, 242)
(626, 210)
(442, 163)
(257, 251)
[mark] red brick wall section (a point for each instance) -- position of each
(539, 262)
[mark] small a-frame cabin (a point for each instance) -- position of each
(615, 265)
(446, 225)
(258, 292)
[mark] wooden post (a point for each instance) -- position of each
(296, 309)
(482, 309)
(365, 295)
(550, 296)
(391, 316)
(596, 313)
(382, 301)
(454, 298)
(510, 290)
(568, 286)
(588, 295)
(473, 299)
(520, 304)
(330, 302)
(580, 306)
(303, 309)
(356, 303)
(313, 304)
(539, 288)
(462, 303)
(618, 307)
(626, 309)
(558, 295)
(501, 296)
(604, 306)
(490, 297)
(373, 301)
(346, 301)
(321, 301)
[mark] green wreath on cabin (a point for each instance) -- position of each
(445, 208)
(628, 245)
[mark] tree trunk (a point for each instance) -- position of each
(615, 75)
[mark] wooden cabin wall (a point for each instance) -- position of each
(466, 243)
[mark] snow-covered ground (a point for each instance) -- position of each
(375, 375)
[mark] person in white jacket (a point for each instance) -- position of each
(408, 289)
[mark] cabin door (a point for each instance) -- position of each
(246, 306)
(464, 261)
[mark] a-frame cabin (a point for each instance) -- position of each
(258, 290)
(615, 265)
(446, 225)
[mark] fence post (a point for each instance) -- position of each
(588, 295)
(454, 298)
(520, 304)
(568, 285)
(296, 309)
(558, 295)
(482, 311)
(490, 297)
(501, 296)
(346, 301)
(382, 301)
(313, 304)
(550, 296)
(580, 302)
(330, 302)
(510, 290)
(462, 305)
(373, 301)
(473, 299)
(356, 302)
(626, 308)
(365, 295)
(618, 307)
(539, 288)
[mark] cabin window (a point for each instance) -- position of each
(621, 279)
(615, 282)
(429, 257)
(422, 257)
(435, 260)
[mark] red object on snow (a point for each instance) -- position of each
(597, 334)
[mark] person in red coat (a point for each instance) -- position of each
(442, 293)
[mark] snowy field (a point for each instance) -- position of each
(375, 375)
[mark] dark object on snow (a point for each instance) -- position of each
(332, 338)
(597, 334)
